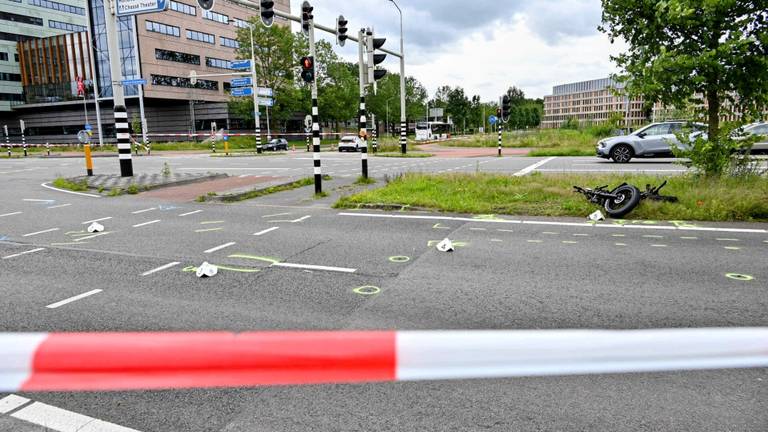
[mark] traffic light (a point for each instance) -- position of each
(308, 69)
(205, 4)
(341, 30)
(306, 17)
(267, 12)
(375, 58)
(506, 106)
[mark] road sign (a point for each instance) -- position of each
(241, 82)
(88, 127)
(135, 7)
(240, 64)
(266, 102)
(84, 137)
(226, 138)
(308, 122)
(436, 112)
(493, 119)
(137, 81)
(241, 91)
(265, 91)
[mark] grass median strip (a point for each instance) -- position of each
(270, 190)
(552, 195)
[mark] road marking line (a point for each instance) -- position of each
(23, 253)
(536, 222)
(618, 235)
(40, 232)
(295, 220)
(530, 168)
(92, 236)
(569, 242)
(535, 241)
(211, 222)
(276, 214)
(504, 230)
(478, 229)
(653, 236)
(190, 213)
(68, 244)
(732, 248)
(620, 244)
(97, 220)
(209, 230)
(314, 267)
(497, 240)
(11, 402)
(50, 201)
(580, 235)
(161, 268)
(727, 239)
(72, 299)
(47, 186)
(550, 233)
(146, 223)
(144, 211)
(61, 420)
(220, 247)
(265, 231)
(10, 214)
(59, 206)
(658, 245)
(689, 238)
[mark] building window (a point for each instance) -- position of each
(171, 81)
(227, 42)
(61, 7)
(66, 26)
(183, 8)
(23, 19)
(217, 63)
(4, 56)
(16, 57)
(15, 97)
(165, 29)
(241, 23)
(5, 76)
(215, 16)
(176, 56)
(201, 37)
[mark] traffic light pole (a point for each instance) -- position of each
(122, 131)
(255, 86)
(315, 117)
(363, 133)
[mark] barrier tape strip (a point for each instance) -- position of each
(137, 361)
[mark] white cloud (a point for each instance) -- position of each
(487, 47)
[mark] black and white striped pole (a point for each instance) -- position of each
(23, 138)
(122, 128)
(308, 75)
(504, 108)
(374, 133)
(362, 132)
(7, 140)
(123, 134)
(499, 128)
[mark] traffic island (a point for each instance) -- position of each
(114, 184)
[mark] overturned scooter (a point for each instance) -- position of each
(622, 199)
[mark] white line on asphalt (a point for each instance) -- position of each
(47, 186)
(220, 247)
(92, 236)
(727, 239)
(23, 253)
(72, 299)
(10, 214)
(658, 245)
(11, 402)
(190, 213)
(96, 220)
(295, 220)
(276, 214)
(40, 232)
(530, 168)
(59, 206)
(162, 267)
(477, 229)
(620, 244)
(641, 170)
(144, 211)
(146, 223)
(265, 231)
(689, 238)
(315, 267)
(532, 222)
(504, 230)
(39, 200)
(653, 236)
(732, 247)
(61, 420)
(581, 235)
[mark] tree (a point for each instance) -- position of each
(458, 106)
(516, 96)
(681, 48)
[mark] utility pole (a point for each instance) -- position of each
(255, 86)
(309, 25)
(122, 130)
(362, 124)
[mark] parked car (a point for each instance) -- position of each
(276, 144)
(351, 143)
(760, 130)
(654, 140)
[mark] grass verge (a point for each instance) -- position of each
(552, 195)
(364, 180)
(566, 151)
(63, 183)
(556, 142)
(266, 191)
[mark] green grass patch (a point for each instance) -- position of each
(63, 183)
(730, 199)
(551, 139)
(115, 192)
(270, 190)
(565, 151)
(364, 180)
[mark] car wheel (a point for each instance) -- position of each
(622, 153)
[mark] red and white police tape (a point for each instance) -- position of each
(134, 361)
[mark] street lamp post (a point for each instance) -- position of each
(403, 124)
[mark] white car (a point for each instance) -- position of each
(351, 143)
(756, 129)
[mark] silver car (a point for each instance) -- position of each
(654, 140)
(761, 131)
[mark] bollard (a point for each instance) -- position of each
(213, 146)
(226, 147)
(7, 140)
(47, 149)
(88, 160)
(24, 142)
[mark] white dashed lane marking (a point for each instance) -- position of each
(10, 214)
(265, 231)
(161, 268)
(96, 220)
(190, 213)
(146, 223)
(23, 253)
(40, 232)
(220, 247)
(73, 299)
(144, 211)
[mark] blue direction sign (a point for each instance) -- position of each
(135, 7)
(88, 127)
(493, 119)
(240, 64)
(139, 81)
(241, 91)
(241, 82)
(265, 91)
(266, 102)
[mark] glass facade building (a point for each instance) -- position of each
(126, 39)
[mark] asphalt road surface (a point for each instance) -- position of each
(544, 274)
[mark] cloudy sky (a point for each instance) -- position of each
(483, 45)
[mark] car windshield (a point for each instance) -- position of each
(348, 139)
